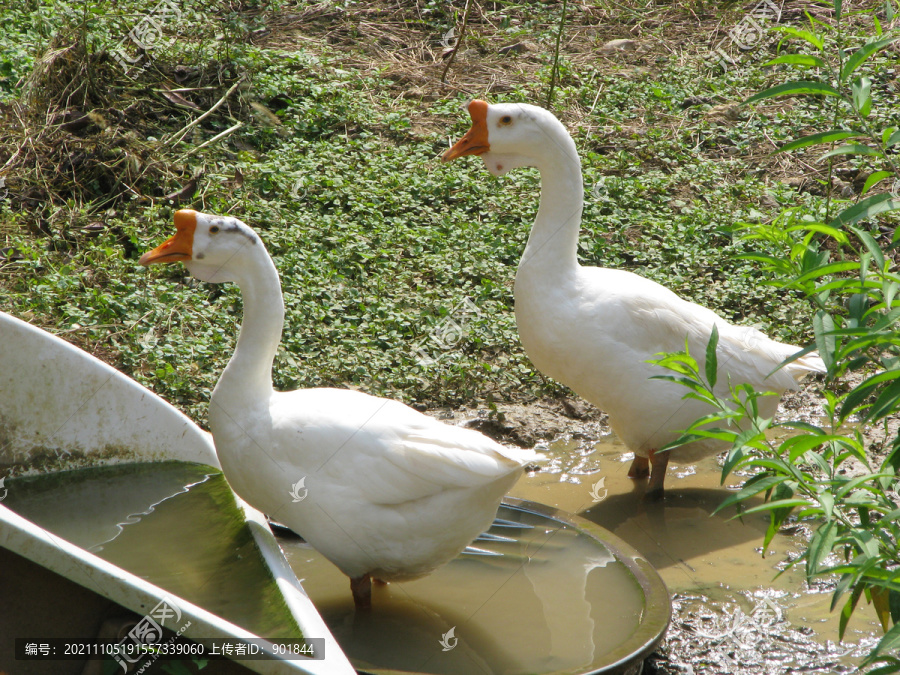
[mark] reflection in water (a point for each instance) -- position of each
(553, 600)
(706, 560)
(563, 589)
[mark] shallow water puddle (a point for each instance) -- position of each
(172, 523)
(711, 562)
(555, 600)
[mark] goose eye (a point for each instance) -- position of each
(506, 119)
(214, 229)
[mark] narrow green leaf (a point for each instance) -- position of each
(893, 140)
(870, 570)
(684, 439)
(848, 609)
(869, 241)
(800, 445)
(826, 501)
(778, 504)
(866, 208)
(811, 38)
(820, 546)
(823, 324)
(856, 482)
(815, 139)
(830, 268)
(885, 404)
(851, 149)
(861, 91)
(895, 606)
(819, 461)
(873, 180)
(771, 531)
(866, 541)
(862, 391)
(892, 667)
(805, 426)
(794, 89)
(845, 582)
(734, 459)
(822, 228)
(861, 55)
(890, 643)
(776, 465)
(712, 362)
(806, 60)
(753, 486)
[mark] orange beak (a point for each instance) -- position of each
(475, 142)
(177, 247)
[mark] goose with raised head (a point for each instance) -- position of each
(594, 329)
(381, 490)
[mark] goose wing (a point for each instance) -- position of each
(385, 452)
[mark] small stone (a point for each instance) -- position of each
(728, 111)
(770, 202)
(693, 100)
(414, 92)
(621, 45)
(516, 48)
(845, 189)
(802, 184)
(95, 228)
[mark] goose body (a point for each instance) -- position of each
(593, 328)
(378, 488)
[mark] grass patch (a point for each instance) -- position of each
(341, 119)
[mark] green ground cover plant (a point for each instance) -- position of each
(377, 241)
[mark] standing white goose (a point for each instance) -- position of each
(379, 489)
(593, 328)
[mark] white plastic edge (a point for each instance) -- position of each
(95, 407)
(23, 537)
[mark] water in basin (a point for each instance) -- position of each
(537, 596)
(174, 524)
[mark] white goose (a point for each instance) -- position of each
(594, 329)
(379, 489)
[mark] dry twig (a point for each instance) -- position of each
(171, 139)
(462, 35)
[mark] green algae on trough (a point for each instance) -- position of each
(175, 524)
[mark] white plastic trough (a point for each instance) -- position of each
(61, 408)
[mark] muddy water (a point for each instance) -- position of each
(173, 524)
(712, 564)
(548, 599)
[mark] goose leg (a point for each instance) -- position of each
(640, 467)
(361, 587)
(659, 462)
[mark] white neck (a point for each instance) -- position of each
(247, 379)
(553, 242)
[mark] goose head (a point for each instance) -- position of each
(511, 135)
(211, 247)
